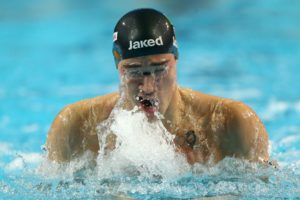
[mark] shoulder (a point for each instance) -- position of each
(75, 122)
(96, 102)
(240, 116)
(249, 138)
(101, 105)
(216, 105)
(75, 113)
(193, 95)
(236, 127)
(200, 103)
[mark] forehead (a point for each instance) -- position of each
(149, 59)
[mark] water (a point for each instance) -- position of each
(53, 53)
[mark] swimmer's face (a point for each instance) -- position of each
(149, 81)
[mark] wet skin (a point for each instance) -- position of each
(207, 128)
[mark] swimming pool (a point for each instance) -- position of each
(53, 53)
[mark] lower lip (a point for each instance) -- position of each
(149, 110)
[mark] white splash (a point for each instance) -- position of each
(142, 147)
(22, 160)
(68, 170)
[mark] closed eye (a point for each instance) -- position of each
(133, 72)
(159, 63)
(132, 65)
(159, 71)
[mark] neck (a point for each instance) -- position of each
(173, 112)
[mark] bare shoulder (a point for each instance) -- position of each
(249, 138)
(99, 107)
(199, 102)
(232, 125)
(74, 128)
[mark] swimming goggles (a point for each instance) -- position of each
(138, 73)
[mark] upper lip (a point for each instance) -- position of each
(147, 101)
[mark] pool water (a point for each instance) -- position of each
(53, 53)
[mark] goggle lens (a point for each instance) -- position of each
(140, 72)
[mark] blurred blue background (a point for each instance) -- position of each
(55, 52)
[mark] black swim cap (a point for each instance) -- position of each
(143, 32)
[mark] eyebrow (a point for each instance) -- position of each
(132, 65)
(159, 63)
(136, 65)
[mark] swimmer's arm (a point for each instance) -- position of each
(63, 134)
(248, 134)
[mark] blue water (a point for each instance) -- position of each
(56, 52)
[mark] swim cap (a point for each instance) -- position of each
(143, 32)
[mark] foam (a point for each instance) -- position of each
(51, 169)
(142, 146)
(22, 160)
(230, 176)
(288, 157)
(19, 159)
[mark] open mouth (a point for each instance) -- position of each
(148, 105)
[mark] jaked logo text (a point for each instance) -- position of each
(145, 43)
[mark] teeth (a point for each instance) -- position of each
(138, 98)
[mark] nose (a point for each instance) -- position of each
(148, 85)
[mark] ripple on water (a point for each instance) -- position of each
(81, 179)
(135, 169)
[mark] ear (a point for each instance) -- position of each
(121, 69)
(175, 57)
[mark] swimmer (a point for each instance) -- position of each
(206, 128)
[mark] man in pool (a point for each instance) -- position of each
(206, 128)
